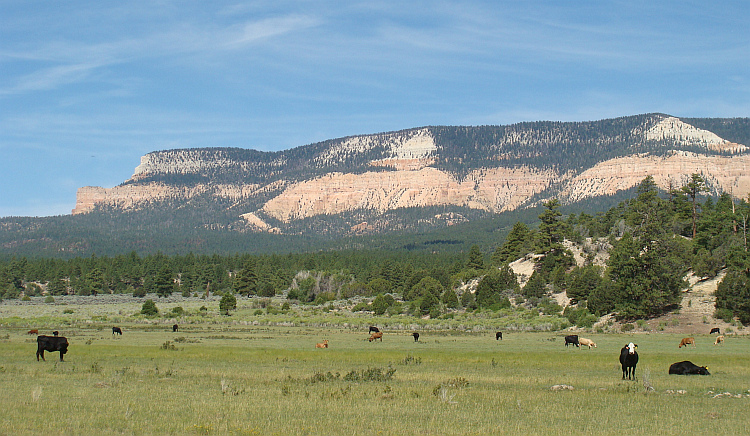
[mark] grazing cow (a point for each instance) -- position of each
(715, 330)
(324, 344)
(175, 328)
(572, 339)
(33, 332)
(719, 340)
(628, 360)
(374, 329)
(416, 337)
(687, 367)
(117, 330)
(686, 341)
(498, 335)
(376, 335)
(51, 343)
(586, 343)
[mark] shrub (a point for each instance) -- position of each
(49, 299)
(149, 308)
(228, 302)
(627, 327)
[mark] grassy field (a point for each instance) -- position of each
(221, 378)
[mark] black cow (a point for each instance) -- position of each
(715, 330)
(51, 343)
(628, 360)
(572, 339)
(56, 333)
(687, 367)
(373, 329)
(416, 336)
(175, 328)
(117, 330)
(498, 335)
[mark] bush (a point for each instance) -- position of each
(49, 299)
(228, 302)
(627, 327)
(149, 308)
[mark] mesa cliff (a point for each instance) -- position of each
(491, 169)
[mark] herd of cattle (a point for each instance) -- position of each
(628, 353)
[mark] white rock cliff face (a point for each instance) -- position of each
(407, 178)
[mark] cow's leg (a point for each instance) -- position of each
(40, 353)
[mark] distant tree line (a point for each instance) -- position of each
(636, 255)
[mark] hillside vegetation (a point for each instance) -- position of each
(632, 263)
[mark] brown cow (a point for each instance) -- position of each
(586, 342)
(33, 332)
(719, 340)
(324, 344)
(686, 341)
(376, 335)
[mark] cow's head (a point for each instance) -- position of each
(703, 370)
(631, 348)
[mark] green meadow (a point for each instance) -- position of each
(221, 378)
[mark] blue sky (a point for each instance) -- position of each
(87, 88)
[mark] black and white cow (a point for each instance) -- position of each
(51, 344)
(572, 339)
(687, 367)
(628, 360)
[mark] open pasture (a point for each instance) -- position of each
(248, 380)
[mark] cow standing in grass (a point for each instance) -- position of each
(586, 343)
(175, 328)
(51, 344)
(498, 335)
(416, 336)
(628, 360)
(719, 340)
(116, 330)
(374, 329)
(686, 341)
(375, 336)
(572, 339)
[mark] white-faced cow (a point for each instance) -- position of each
(628, 360)
(51, 344)
(116, 330)
(687, 367)
(572, 339)
(719, 340)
